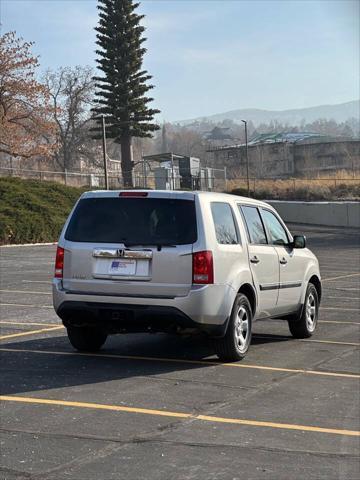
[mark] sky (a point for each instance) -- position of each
(210, 57)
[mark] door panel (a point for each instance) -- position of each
(265, 273)
(263, 260)
(292, 272)
(291, 263)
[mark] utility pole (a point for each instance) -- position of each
(104, 152)
(172, 184)
(247, 158)
(144, 170)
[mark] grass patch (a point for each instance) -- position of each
(33, 211)
(339, 187)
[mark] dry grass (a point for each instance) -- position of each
(339, 186)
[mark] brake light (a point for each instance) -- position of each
(203, 268)
(59, 263)
(133, 194)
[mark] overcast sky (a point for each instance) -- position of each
(213, 56)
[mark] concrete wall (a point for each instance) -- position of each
(332, 214)
(323, 157)
(289, 159)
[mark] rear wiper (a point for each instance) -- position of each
(160, 245)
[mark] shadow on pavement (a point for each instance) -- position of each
(26, 371)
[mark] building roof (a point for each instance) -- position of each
(219, 133)
(290, 137)
(286, 137)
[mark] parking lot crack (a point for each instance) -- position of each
(144, 439)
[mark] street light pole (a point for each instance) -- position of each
(104, 152)
(247, 158)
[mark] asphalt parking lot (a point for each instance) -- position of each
(163, 407)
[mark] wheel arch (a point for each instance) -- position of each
(248, 290)
(315, 280)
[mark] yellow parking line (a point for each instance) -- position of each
(36, 281)
(278, 337)
(184, 361)
(39, 324)
(32, 332)
(342, 309)
(352, 344)
(339, 322)
(26, 291)
(167, 413)
(341, 298)
(24, 305)
(340, 276)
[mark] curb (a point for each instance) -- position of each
(28, 245)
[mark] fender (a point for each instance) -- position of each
(311, 270)
(244, 278)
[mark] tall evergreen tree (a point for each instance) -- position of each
(121, 90)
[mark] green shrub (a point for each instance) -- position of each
(33, 211)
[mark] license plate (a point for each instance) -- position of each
(122, 267)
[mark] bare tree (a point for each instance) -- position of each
(72, 93)
(25, 111)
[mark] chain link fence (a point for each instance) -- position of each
(331, 188)
(208, 179)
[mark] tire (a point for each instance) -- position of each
(86, 339)
(305, 325)
(236, 342)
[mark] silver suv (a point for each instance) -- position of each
(150, 261)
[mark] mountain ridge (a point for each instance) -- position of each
(339, 112)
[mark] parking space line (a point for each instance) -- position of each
(352, 344)
(25, 305)
(340, 276)
(341, 308)
(339, 322)
(6, 322)
(278, 337)
(36, 281)
(190, 416)
(25, 291)
(31, 332)
(184, 361)
(341, 297)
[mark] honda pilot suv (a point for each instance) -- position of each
(160, 261)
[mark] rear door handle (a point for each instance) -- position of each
(254, 259)
(283, 261)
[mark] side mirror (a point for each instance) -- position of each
(299, 241)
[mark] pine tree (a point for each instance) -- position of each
(121, 90)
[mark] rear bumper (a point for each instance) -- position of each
(205, 308)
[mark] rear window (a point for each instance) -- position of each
(137, 221)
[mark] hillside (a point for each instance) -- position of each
(32, 211)
(294, 117)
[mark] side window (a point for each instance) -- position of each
(254, 225)
(278, 235)
(225, 229)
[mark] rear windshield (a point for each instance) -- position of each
(133, 221)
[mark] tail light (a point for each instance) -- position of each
(133, 194)
(203, 268)
(59, 263)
